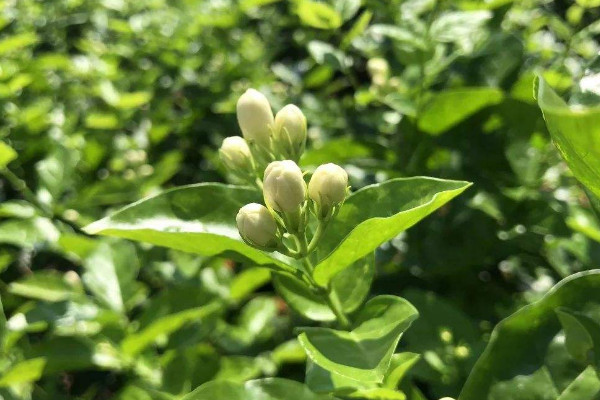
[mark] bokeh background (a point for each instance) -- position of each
(103, 102)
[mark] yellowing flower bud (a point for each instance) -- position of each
(235, 154)
(255, 118)
(256, 225)
(289, 134)
(283, 186)
(328, 187)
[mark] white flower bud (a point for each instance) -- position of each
(283, 186)
(289, 134)
(379, 70)
(256, 225)
(235, 154)
(255, 118)
(328, 187)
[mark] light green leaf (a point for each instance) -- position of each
(7, 154)
(448, 108)
(581, 335)
(98, 120)
(23, 372)
(399, 366)
(376, 214)
(520, 342)
(17, 42)
(585, 387)
(575, 132)
(318, 15)
(133, 100)
(363, 354)
(28, 232)
(46, 285)
(110, 274)
(197, 219)
(137, 342)
(351, 292)
(261, 389)
(247, 282)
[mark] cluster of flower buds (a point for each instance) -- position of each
(265, 138)
(274, 145)
(282, 225)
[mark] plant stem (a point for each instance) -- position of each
(329, 296)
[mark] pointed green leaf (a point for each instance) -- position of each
(137, 342)
(585, 387)
(46, 285)
(23, 372)
(197, 219)
(576, 133)
(448, 108)
(363, 354)
(520, 342)
(376, 214)
(260, 389)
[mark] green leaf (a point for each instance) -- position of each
(399, 366)
(28, 232)
(76, 353)
(197, 219)
(376, 214)
(17, 42)
(585, 387)
(520, 342)
(7, 154)
(582, 335)
(23, 372)
(46, 285)
(137, 342)
(133, 100)
(377, 394)
(246, 282)
(351, 292)
(450, 107)
(318, 15)
(110, 274)
(575, 132)
(363, 354)
(261, 389)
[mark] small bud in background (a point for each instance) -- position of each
(236, 156)
(328, 187)
(379, 70)
(283, 186)
(289, 133)
(257, 226)
(255, 118)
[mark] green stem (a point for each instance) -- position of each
(329, 296)
(317, 236)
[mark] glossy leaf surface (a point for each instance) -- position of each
(519, 343)
(376, 214)
(364, 353)
(197, 219)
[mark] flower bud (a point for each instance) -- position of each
(283, 186)
(255, 118)
(328, 187)
(256, 225)
(289, 133)
(379, 70)
(236, 156)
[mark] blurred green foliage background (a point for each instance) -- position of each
(103, 102)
